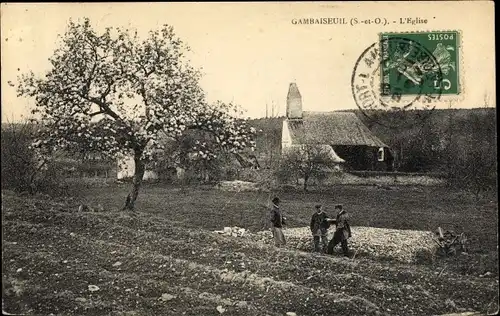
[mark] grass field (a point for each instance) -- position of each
(417, 208)
(164, 261)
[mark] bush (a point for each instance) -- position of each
(264, 178)
(22, 169)
(213, 170)
(309, 162)
(95, 168)
(474, 168)
(283, 173)
(472, 159)
(197, 170)
(19, 165)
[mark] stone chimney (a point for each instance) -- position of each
(293, 102)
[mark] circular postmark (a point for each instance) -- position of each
(396, 74)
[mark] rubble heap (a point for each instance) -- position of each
(239, 186)
(232, 231)
(406, 246)
(380, 243)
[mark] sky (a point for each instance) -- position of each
(250, 52)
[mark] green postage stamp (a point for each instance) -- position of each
(421, 63)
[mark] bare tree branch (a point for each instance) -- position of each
(97, 113)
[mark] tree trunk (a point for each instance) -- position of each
(136, 182)
(306, 178)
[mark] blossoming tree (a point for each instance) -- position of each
(120, 95)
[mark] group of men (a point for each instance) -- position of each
(320, 223)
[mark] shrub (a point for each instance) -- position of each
(22, 169)
(213, 170)
(472, 159)
(19, 164)
(95, 168)
(309, 162)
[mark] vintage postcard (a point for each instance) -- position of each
(254, 158)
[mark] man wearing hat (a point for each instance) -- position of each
(277, 222)
(319, 229)
(342, 233)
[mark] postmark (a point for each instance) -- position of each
(396, 74)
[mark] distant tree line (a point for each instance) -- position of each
(461, 144)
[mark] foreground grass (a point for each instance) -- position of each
(51, 254)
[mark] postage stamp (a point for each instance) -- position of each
(407, 71)
(373, 93)
(406, 68)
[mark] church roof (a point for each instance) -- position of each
(332, 128)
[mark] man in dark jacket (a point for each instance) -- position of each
(277, 222)
(342, 233)
(319, 229)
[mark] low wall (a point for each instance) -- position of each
(385, 179)
(396, 174)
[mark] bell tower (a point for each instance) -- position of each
(293, 102)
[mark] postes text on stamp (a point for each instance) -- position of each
(407, 69)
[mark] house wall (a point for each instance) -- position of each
(126, 169)
(355, 156)
(286, 139)
(364, 158)
(386, 165)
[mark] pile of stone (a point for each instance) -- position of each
(232, 231)
(379, 243)
(408, 246)
(88, 208)
(238, 186)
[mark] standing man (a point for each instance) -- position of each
(277, 222)
(319, 229)
(342, 233)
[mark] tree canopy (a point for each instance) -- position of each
(117, 93)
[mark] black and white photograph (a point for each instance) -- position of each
(249, 158)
